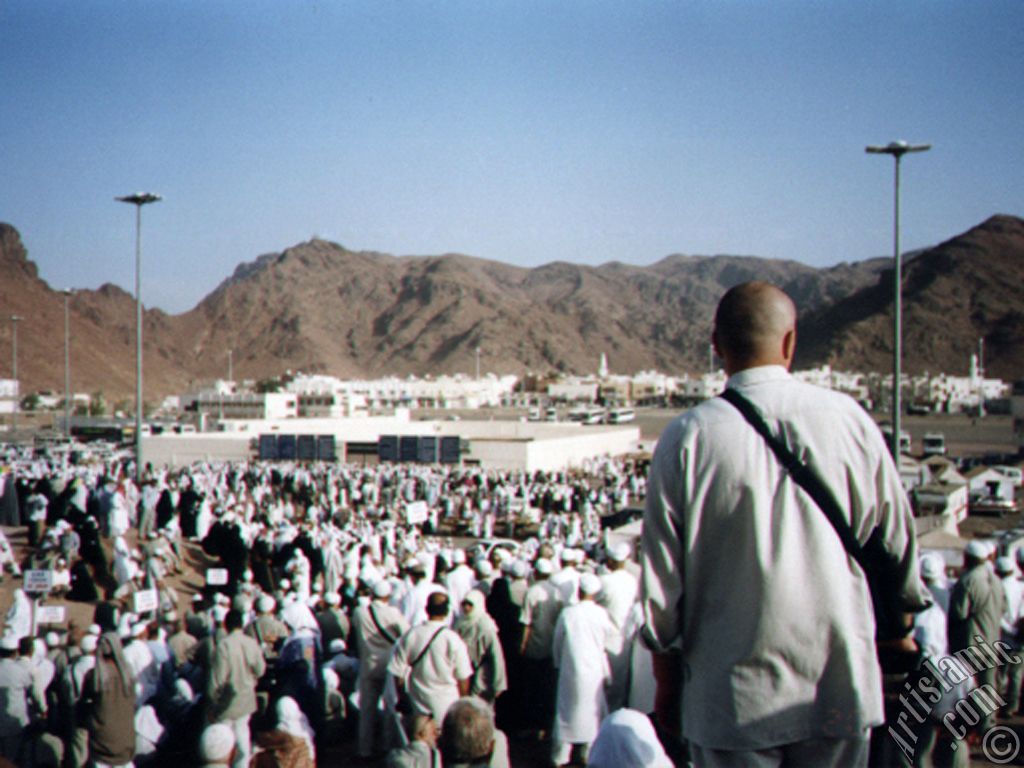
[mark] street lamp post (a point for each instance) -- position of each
(897, 149)
(231, 372)
(15, 319)
(67, 362)
(139, 199)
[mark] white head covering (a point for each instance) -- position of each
(298, 616)
(978, 549)
(291, 720)
(619, 553)
(627, 740)
(589, 584)
(1005, 565)
(216, 742)
(266, 604)
(382, 589)
(932, 567)
(544, 566)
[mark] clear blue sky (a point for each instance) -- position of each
(525, 132)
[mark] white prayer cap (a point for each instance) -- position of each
(219, 613)
(619, 552)
(197, 598)
(221, 599)
(501, 555)
(544, 566)
(266, 603)
(285, 585)
(484, 568)
(569, 555)
(589, 584)
(931, 567)
(217, 742)
(412, 564)
(1005, 565)
(8, 643)
(337, 646)
(627, 740)
(333, 598)
(459, 556)
(52, 640)
(95, 630)
(138, 629)
(382, 589)
(519, 569)
(88, 643)
(978, 549)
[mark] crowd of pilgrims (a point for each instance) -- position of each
(325, 618)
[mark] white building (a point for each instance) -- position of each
(8, 395)
(509, 445)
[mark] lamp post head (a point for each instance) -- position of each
(16, 318)
(139, 198)
(897, 149)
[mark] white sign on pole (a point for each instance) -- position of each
(416, 512)
(51, 614)
(145, 601)
(216, 577)
(38, 581)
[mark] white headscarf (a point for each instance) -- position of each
(291, 720)
(627, 740)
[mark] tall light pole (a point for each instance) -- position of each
(897, 149)
(67, 361)
(15, 319)
(139, 199)
(231, 372)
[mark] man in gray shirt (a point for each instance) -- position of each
(761, 621)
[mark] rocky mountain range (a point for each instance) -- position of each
(318, 307)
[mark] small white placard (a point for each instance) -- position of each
(145, 601)
(38, 581)
(216, 577)
(51, 614)
(416, 512)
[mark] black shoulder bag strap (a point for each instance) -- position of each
(426, 648)
(802, 475)
(872, 558)
(376, 622)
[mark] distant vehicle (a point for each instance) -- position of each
(550, 414)
(904, 437)
(621, 415)
(485, 547)
(592, 415)
(992, 505)
(533, 414)
(579, 413)
(1014, 473)
(933, 444)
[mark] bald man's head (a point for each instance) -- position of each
(755, 324)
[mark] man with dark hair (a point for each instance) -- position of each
(430, 662)
(235, 671)
(746, 583)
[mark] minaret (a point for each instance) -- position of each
(602, 368)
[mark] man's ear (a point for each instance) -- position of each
(789, 346)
